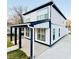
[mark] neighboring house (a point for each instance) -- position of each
(68, 24)
(48, 23)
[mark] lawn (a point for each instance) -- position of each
(9, 44)
(17, 54)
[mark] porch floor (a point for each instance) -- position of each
(38, 48)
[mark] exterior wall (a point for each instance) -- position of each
(47, 37)
(33, 16)
(42, 25)
(57, 21)
(56, 18)
(63, 31)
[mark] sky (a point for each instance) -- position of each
(63, 5)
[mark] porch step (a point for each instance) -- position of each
(12, 48)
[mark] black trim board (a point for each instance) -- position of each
(39, 22)
(19, 25)
(50, 31)
(50, 26)
(47, 4)
(43, 43)
(56, 8)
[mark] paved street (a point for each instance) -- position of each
(61, 50)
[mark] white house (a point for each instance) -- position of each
(44, 24)
(48, 23)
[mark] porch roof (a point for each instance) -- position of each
(31, 24)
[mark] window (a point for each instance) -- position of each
(54, 34)
(41, 34)
(28, 20)
(59, 32)
(27, 32)
(44, 16)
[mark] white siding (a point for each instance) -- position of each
(57, 22)
(56, 18)
(42, 25)
(63, 31)
(33, 15)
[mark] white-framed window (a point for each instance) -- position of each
(59, 32)
(43, 16)
(53, 33)
(27, 32)
(43, 13)
(41, 34)
(28, 20)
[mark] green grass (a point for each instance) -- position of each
(17, 54)
(9, 44)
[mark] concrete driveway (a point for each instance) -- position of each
(61, 50)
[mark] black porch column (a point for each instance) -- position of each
(15, 36)
(31, 45)
(11, 33)
(19, 37)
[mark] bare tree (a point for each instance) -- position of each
(19, 11)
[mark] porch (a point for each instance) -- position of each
(30, 47)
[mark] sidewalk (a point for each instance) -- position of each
(61, 50)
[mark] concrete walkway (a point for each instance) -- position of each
(61, 50)
(12, 48)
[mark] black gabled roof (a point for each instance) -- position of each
(47, 4)
(42, 6)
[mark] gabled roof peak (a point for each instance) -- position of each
(44, 5)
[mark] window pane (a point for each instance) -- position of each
(53, 34)
(59, 32)
(46, 16)
(38, 36)
(41, 34)
(27, 32)
(43, 16)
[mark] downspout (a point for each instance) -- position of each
(32, 43)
